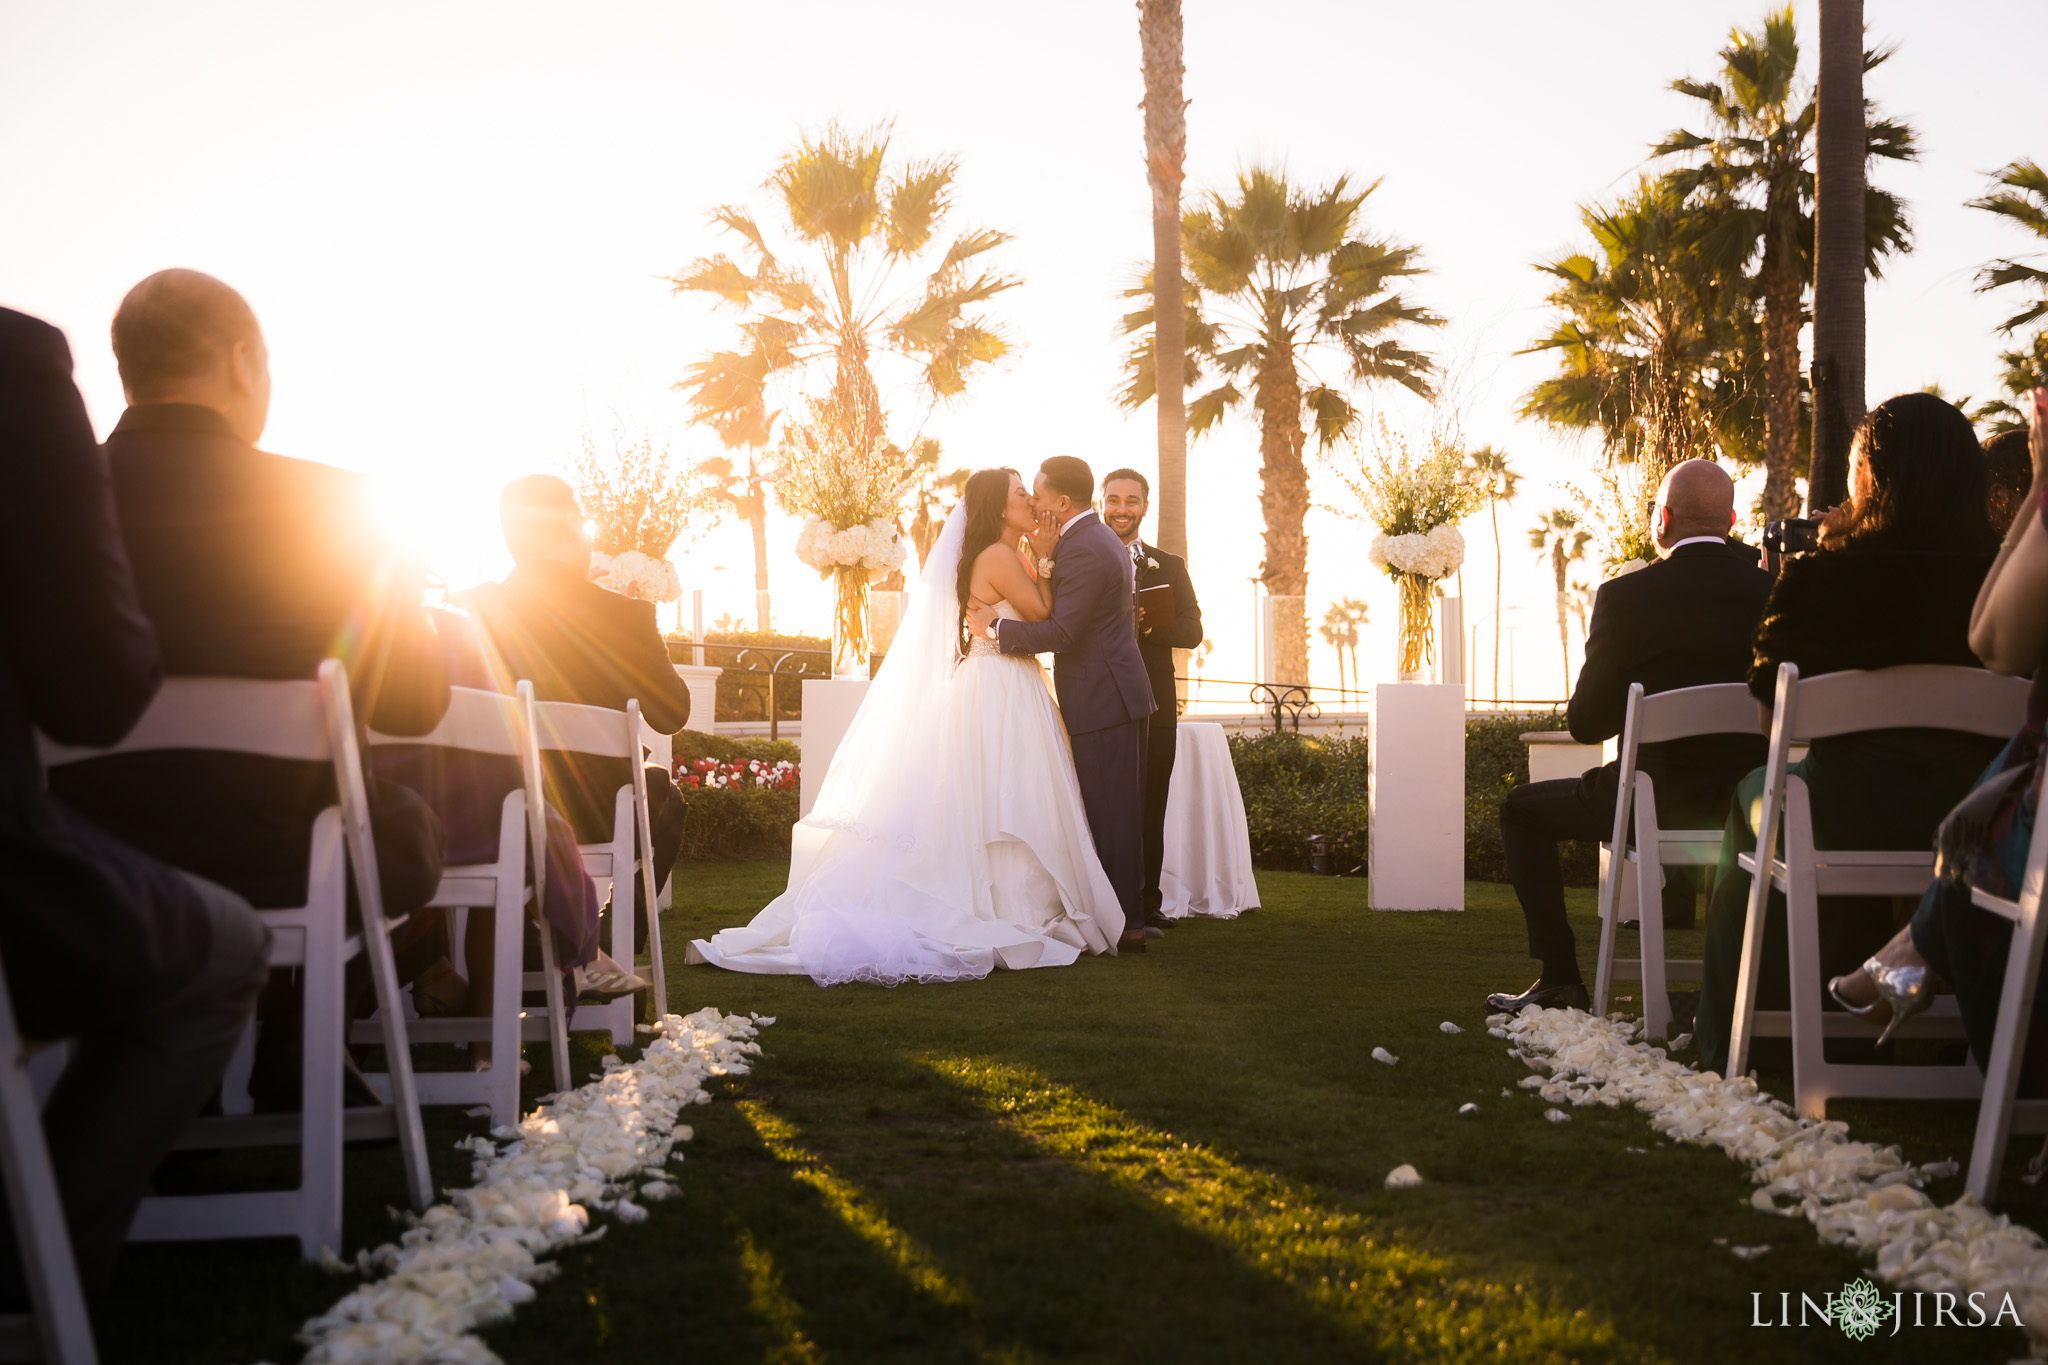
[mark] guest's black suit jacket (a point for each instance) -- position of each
(578, 642)
(252, 565)
(1684, 621)
(92, 931)
(1156, 646)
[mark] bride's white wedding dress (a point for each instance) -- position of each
(949, 837)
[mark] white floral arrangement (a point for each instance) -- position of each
(872, 545)
(1435, 553)
(633, 574)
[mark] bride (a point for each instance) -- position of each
(949, 836)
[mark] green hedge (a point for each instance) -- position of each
(736, 823)
(1297, 787)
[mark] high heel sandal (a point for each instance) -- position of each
(1907, 989)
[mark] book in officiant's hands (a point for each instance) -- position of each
(1155, 606)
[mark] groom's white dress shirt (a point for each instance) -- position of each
(1065, 525)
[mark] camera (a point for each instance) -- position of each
(1792, 535)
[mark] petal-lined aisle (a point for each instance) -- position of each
(605, 1146)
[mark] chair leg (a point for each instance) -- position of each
(39, 1228)
(558, 1014)
(508, 951)
(405, 1099)
(1650, 933)
(1611, 866)
(2002, 1075)
(320, 1121)
(1810, 1080)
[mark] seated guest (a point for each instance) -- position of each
(252, 565)
(1984, 843)
(153, 972)
(1684, 621)
(2010, 472)
(1126, 497)
(1893, 582)
(576, 642)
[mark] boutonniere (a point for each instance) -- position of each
(1151, 563)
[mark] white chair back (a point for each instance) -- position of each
(499, 724)
(1656, 718)
(312, 722)
(2002, 1113)
(570, 727)
(1918, 696)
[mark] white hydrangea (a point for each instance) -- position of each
(1435, 553)
(870, 545)
(633, 574)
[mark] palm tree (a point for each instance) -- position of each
(1166, 149)
(2023, 201)
(1340, 631)
(1489, 471)
(1751, 175)
(1558, 535)
(932, 495)
(861, 223)
(2025, 370)
(1653, 348)
(746, 495)
(1280, 281)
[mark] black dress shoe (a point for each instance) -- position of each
(1548, 997)
(1155, 920)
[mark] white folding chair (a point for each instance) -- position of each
(2002, 1113)
(566, 727)
(310, 722)
(1718, 709)
(491, 723)
(1967, 700)
(57, 1328)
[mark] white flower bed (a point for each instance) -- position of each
(874, 545)
(1855, 1194)
(469, 1261)
(1435, 553)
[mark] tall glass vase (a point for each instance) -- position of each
(850, 643)
(1416, 644)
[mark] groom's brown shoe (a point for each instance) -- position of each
(1132, 941)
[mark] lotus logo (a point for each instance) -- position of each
(1860, 1310)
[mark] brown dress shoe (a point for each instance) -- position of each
(1132, 941)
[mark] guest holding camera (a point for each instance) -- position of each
(1983, 842)
(1893, 581)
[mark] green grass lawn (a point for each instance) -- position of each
(1175, 1157)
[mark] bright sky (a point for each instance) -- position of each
(453, 219)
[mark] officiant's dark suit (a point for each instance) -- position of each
(1104, 694)
(1683, 621)
(1156, 645)
(151, 972)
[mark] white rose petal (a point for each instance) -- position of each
(1557, 1116)
(1403, 1177)
(1380, 1054)
(1749, 1253)
(1448, 1027)
(1468, 1109)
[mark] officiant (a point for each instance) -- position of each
(1169, 618)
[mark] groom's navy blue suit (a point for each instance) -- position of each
(1105, 697)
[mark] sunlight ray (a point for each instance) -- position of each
(1413, 1304)
(778, 1312)
(912, 1259)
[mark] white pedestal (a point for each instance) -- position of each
(702, 681)
(829, 708)
(1416, 796)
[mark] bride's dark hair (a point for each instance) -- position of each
(987, 499)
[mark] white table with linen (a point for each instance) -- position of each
(1208, 867)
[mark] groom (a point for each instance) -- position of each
(1105, 697)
